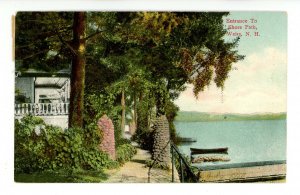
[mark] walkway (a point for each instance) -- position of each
(136, 171)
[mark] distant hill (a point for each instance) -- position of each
(184, 116)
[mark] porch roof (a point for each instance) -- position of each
(38, 73)
(50, 82)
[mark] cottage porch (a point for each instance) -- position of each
(52, 113)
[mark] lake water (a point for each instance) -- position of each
(248, 141)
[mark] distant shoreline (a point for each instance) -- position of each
(186, 116)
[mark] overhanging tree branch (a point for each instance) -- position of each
(92, 35)
(53, 33)
(32, 55)
(66, 43)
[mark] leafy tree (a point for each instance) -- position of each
(43, 40)
(179, 48)
(49, 41)
(188, 47)
(153, 52)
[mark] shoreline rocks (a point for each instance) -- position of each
(200, 159)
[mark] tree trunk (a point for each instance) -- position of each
(123, 113)
(160, 104)
(134, 109)
(78, 71)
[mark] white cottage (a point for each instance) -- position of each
(43, 94)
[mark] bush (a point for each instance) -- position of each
(29, 147)
(122, 141)
(144, 133)
(125, 152)
(40, 147)
(145, 140)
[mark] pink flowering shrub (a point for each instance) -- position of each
(108, 140)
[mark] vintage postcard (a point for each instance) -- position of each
(150, 97)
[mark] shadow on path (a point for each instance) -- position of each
(136, 171)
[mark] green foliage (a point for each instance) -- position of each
(116, 119)
(149, 55)
(122, 141)
(38, 40)
(145, 140)
(54, 149)
(144, 135)
(91, 135)
(96, 105)
(125, 152)
(28, 145)
(143, 110)
(171, 113)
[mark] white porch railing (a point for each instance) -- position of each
(42, 109)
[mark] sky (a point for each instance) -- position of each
(258, 84)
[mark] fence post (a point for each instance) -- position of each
(181, 171)
(172, 151)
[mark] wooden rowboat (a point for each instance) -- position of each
(186, 140)
(209, 151)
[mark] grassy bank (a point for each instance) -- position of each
(78, 176)
(185, 116)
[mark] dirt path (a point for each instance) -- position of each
(136, 171)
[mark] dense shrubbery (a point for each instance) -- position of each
(125, 152)
(122, 141)
(144, 135)
(41, 147)
(145, 139)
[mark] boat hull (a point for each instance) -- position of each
(209, 151)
